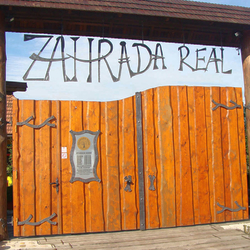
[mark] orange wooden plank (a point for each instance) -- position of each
(165, 157)
(232, 175)
(110, 166)
(77, 199)
(43, 174)
(214, 152)
(56, 203)
(16, 170)
(198, 150)
(184, 195)
(27, 170)
(151, 198)
(93, 190)
(66, 170)
(127, 163)
(242, 149)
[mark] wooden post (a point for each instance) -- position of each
(3, 136)
(245, 52)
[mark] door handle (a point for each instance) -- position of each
(56, 185)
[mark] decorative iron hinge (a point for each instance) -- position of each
(4, 222)
(3, 122)
(230, 209)
(46, 122)
(247, 106)
(224, 106)
(27, 221)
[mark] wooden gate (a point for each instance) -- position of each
(192, 158)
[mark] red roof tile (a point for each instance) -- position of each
(166, 8)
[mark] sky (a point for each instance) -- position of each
(106, 88)
(243, 3)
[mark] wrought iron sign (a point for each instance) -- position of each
(199, 64)
(84, 156)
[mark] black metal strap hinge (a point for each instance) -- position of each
(3, 122)
(46, 122)
(224, 106)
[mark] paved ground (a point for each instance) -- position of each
(217, 236)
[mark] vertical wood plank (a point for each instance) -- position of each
(56, 202)
(66, 170)
(242, 152)
(110, 163)
(165, 157)
(43, 174)
(27, 170)
(232, 175)
(16, 169)
(184, 195)
(93, 191)
(214, 152)
(77, 199)
(151, 197)
(198, 149)
(127, 163)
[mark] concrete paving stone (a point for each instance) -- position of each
(23, 245)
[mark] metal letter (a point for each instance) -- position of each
(199, 59)
(183, 59)
(156, 57)
(214, 59)
(30, 37)
(222, 62)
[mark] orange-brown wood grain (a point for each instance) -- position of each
(236, 181)
(151, 197)
(27, 169)
(232, 178)
(56, 201)
(93, 190)
(127, 163)
(110, 165)
(184, 195)
(66, 170)
(77, 199)
(197, 155)
(198, 150)
(164, 150)
(42, 167)
(16, 169)
(214, 153)
(242, 151)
